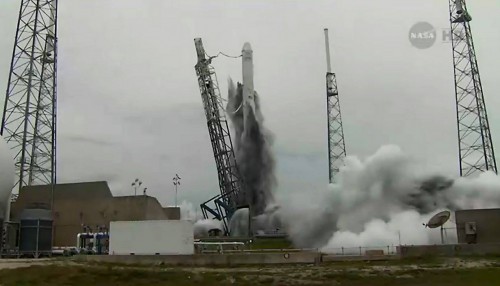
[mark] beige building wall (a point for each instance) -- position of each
(173, 213)
(487, 225)
(90, 204)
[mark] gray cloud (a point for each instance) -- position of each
(76, 139)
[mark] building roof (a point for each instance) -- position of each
(81, 190)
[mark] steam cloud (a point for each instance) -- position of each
(203, 226)
(188, 212)
(381, 201)
(252, 148)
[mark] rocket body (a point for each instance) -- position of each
(252, 143)
(248, 89)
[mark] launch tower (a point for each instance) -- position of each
(29, 115)
(474, 137)
(336, 142)
(231, 196)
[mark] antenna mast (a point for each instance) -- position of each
(474, 138)
(336, 142)
(29, 115)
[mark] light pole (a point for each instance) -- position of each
(135, 184)
(177, 181)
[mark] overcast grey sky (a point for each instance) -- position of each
(129, 104)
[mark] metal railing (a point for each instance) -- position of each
(361, 250)
(232, 246)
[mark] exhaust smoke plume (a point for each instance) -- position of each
(252, 147)
(383, 200)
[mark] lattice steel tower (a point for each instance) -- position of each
(231, 196)
(474, 137)
(336, 142)
(29, 116)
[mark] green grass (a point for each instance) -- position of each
(78, 275)
(356, 274)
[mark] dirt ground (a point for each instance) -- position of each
(452, 271)
(19, 263)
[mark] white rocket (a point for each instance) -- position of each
(248, 91)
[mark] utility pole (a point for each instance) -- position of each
(136, 184)
(177, 181)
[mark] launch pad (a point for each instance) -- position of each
(29, 121)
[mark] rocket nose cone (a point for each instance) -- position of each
(247, 47)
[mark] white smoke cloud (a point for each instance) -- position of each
(238, 225)
(405, 228)
(480, 192)
(189, 212)
(203, 226)
(383, 200)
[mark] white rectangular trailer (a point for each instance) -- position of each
(160, 237)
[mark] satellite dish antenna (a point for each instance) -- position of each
(438, 220)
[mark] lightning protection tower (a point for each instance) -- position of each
(474, 137)
(221, 206)
(29, 115)
(336, 142)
